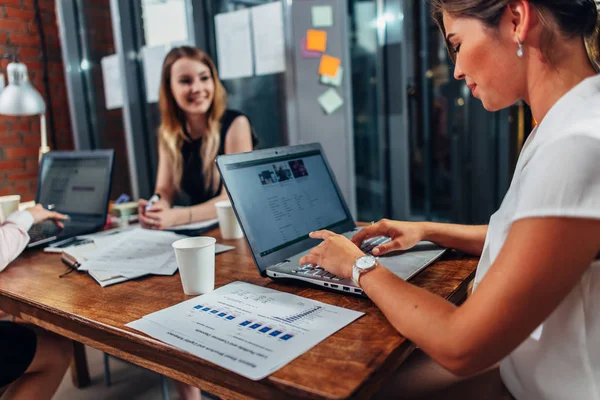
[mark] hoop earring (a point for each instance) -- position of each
(521, 51)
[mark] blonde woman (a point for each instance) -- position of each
(196, 127)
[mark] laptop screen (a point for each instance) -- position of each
(75, 185)
(281, 199)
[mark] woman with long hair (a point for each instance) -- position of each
(195, 128)
(536, 298)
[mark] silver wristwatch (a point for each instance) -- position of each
(363, 265)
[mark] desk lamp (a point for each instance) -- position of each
(19, 98)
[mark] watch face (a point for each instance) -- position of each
(366, 262)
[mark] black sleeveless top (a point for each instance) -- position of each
(192, 189)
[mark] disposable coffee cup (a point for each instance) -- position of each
(196, 262)
(8, 205)
(230, 229)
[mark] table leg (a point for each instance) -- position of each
(79, 367)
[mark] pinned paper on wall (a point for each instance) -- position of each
(316, 40)
(329, 66)
(322, 16)
(335, 81)
(308, 53)
(269, 42)
(330, 101)
(111, 76)
(153, 59)
(234, 48)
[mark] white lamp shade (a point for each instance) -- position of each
(19, 97)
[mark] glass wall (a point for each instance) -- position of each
(262, 98)
(105, 121)
(425, 148)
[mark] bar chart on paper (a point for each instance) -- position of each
(293, 318)
(248, 329)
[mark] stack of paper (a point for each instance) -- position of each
(130, 254)
(247, 329)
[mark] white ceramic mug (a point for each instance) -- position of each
(230, 229)
(8, 205)
(196, 262)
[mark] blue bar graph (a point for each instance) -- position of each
(296, 317)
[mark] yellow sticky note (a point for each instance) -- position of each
(316, 40)
(329, 66)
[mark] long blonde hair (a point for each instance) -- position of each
(171, 130)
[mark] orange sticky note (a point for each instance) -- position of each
(316, 40)
(329, 66)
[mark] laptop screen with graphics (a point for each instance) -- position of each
(280, 196)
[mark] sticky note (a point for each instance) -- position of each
(322, 16)
(330, 101)
(329, 65)
(335, 81)
(307, 53)
(316, 40)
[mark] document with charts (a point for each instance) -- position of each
(247, 329)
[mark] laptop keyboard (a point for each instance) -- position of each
(48, 228)
(367, 246)
(43, 230)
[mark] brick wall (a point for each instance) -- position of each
(20, 136)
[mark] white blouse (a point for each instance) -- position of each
(558, 174)
(13, 236)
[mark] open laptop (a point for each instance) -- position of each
(76, 183)
(280, 195)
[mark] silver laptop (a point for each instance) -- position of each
(76, 183)
(280, 195)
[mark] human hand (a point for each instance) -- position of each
(160, 217)
(335, 253)
(40, 214)
(160, 205)
(404, 235)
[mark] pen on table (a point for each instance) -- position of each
(155, 197)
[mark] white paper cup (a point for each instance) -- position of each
(230, 229)
(8, 205)
(196, 262)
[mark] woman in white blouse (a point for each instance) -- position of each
(32, 361)
(536, 302)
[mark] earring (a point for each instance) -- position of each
(521, 51)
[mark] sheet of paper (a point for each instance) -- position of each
(269, 42)
(330, 101)
(247, 329)
(322, 16)
(165, 22)
(194, 225)
(307, 53)
(105, 279)
(316, 40)
(153, 58)
(336, 80)
(329, 65)
(111, 76)
(137, 251)
(233, 44)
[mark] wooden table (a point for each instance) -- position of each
(354, 362)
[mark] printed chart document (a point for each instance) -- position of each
(247, 329)
(233, 44)
(269, 42)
